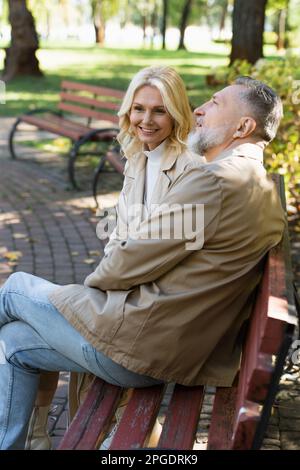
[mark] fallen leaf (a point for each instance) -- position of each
(89, 261)
(13, 255)
(32, 240)
(94, 253)
(19, 235)
(74, 253)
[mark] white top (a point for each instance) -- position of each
(154, 158)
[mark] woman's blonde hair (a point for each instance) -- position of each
(174, 96)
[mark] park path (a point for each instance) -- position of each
(47, 231)
(50, 232)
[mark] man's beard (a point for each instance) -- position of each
(201, 140)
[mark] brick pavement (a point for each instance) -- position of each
(54, 231)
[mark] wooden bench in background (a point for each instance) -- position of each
(240, 413)
(77, 117)
(114, 157)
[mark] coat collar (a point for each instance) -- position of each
(253, 151)
(156, 154)
(137, 162)
(135, 171)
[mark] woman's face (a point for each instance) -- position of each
(149, 118)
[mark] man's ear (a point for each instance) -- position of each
(245, 127)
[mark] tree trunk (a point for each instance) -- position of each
(144, 25)
(223, 18)
(248, 27)
(282, 18)
(20, 56)
(99, 33)
(98, 22)
(153, 25)
(183, 22)
(96, 29)
(164, 22)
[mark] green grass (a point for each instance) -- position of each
(108, 67)
(59, 145)
(104, 67)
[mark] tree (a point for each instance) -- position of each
(280, 9)
(164, 22)
(224, 10)
(98, 21)
(181, 13)
(184, 21)
(20, 56)
(247, 30)
(101, 11)
(282, 21)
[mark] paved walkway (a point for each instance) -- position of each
(47, 231)
(50, 232)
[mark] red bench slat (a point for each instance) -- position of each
(260, 378)
(93, 416)
(138, 419)
(96, 90)
(52, 125)
(246, 426)
(221, 425)
(116, 160)
(182, 418)
(88, 113)
(89, 101)
(66, 128)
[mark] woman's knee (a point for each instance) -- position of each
(15, 280)
(16, 337)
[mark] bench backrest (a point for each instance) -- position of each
(89, 101)
(238, 419)
(269, 336)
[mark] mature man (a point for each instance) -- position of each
(158, 309)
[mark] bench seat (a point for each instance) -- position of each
(65, 127)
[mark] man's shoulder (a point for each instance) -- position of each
(237, 167)
(187, 160)
(192, 157)
(196, 181)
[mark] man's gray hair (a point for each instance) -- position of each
(265, 105)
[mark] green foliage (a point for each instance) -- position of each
(198, 9)
(274, 5)
(104, 8)
(270, 37)
(283, 75)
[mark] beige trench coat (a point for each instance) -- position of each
(176, 314)
(173, 166)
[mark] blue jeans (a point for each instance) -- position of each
(34, 336)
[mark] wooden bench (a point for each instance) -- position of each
(77, 117)
(114, 157)
(240, 413)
